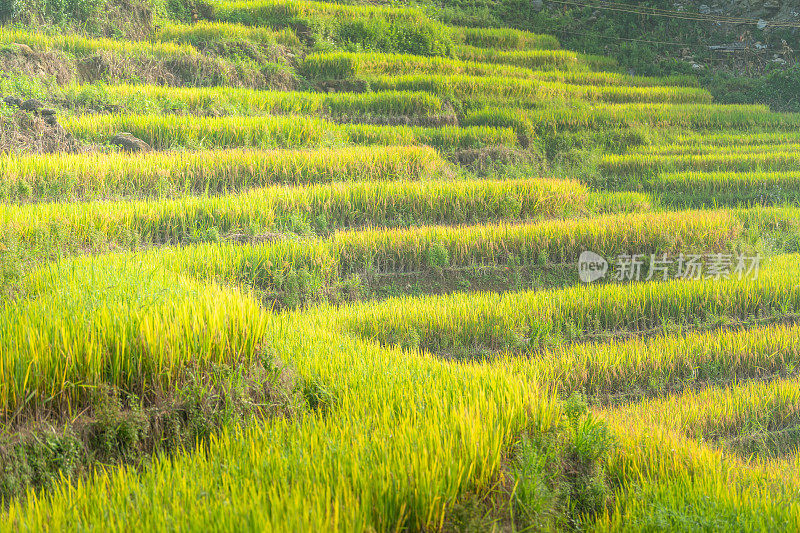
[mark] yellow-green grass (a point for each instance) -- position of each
(343, 65)
(754, 187)
(710, 149)
(617, 372)
(503, 39)
(206, 32)
(129, 325)
(727, 137)
(165, 131)
(551, 242)
(82, 45)
(97, 225)
(182, 131)
(666, 481)
(530, 320)
(377, 393)
(703, 116)
(644, 164)
(730, 416)
(544, 59)
(215, 101)
(530, 59)
(31, 178)
(380, 461)
(463, 86)
(445, 138)
(384, 28)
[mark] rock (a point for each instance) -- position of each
(129, 143)
(50, 120)
(13, 101)
(31, 105)
(704, 9)
(47, 112)
(537, 5)
(24, 48)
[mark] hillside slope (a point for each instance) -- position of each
(293, 265)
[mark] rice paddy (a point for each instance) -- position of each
(355, 299)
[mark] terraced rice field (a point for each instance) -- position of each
(344, 290)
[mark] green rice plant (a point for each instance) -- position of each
(379, 28)
(706, 149)
(729, 137)
(62, 341)
(537, 319)
(644, 164)
(81, 45)
(33, 178)
(177, 131)
(203, 33)
(500, 117)
(665, 477)
(732, 416)
(343, 65)
(504, 39)
(165, 131)
(617, 372)
(558, 241)
(384, 433)
(542, 59)
(461, 86)
(563, 60)
(101, 225)
(217, 101)
(713, 117)
(444, 138)
(727, 188)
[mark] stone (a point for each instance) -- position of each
(33, 105)
(47, 112)
(129, 142)
(24, 48)
(13, 101)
